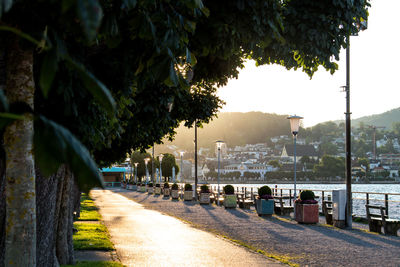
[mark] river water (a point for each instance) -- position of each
(359, 199)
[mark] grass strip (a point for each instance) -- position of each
(91, 237)
(89, 212)
(89, 215)
(96, 264)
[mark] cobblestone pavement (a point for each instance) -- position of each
(144, 237)
(312, 245)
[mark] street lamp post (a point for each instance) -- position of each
(160, 159)
(294, 127)
(362, 25)
(136, 164)
(348, 140)
(195, 159)
(146, 160)
(219, 146)
(152, 165)
(181, 174)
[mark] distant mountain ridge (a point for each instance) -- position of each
(238, 128)
(235, 128)
(385, 119)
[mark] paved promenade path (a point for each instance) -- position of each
(312, 245)
(144, 237)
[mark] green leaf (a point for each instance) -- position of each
(276, 32)
(48, 71)
(99, 91)
(5, 6)
(194, 59)
(188, 56)
(90, 14)
(172, 79)
(139, 69)
(205, 11)
(8, 118)
(55, 145)
(22, 35)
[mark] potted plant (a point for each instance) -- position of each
(157, 189)
(230, 200)
(166, 189)
(265, 201)
(306, 208)
(175, 191)
(188, 193)
(150, 188)
(204, 194)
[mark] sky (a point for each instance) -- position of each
(374, 74)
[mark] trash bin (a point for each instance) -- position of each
(339, 208)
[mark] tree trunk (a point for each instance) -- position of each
(2, 161)
(20, 240)
(46, 201)
(2, 205)
(64, 214)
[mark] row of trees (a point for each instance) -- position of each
(168, 163)
(160, 63)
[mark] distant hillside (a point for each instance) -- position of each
(235, 128)
(384, 119)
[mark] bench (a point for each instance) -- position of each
(378, 219)
(327, 211)
(243, 202)
(280, 207)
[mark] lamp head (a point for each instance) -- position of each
(219, 144)
(160, 157)
(181, 153)
(294, 124)
(136, 164)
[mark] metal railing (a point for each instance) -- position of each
(390, 200)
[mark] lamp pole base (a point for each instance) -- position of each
(339, 223)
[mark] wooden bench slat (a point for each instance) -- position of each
(392, 220)
(376, 221)
(374, 207)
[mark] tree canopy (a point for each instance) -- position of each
(167, 164)
(330, 167)
(154, 54)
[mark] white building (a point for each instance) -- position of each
(243, 167)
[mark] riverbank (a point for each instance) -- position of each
(281, 237)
